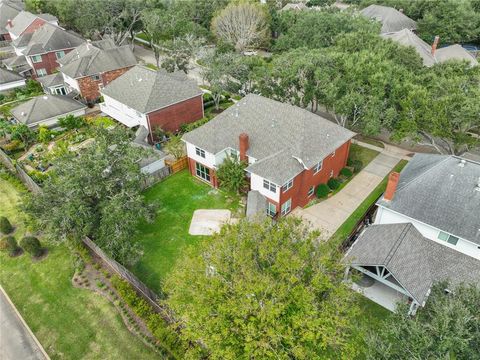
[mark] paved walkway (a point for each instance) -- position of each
(16, 339)
(328, 215)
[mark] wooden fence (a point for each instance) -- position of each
(21, 174)
(156, 176)
(177, 165)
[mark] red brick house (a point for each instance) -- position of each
(27, 23)
(143, 96)
(8, 11)
(92, 66)
(289, 150)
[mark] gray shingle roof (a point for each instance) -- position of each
(294, 6)
(85, 48)
(256, 205)
(453, 52)
(415, 261)
(24, 19)
(279, 134)
(392, 20)
(45, 107)
(8, 11)
(51, 80)
(51, 38)
(437, 191)
(88, 59)
(146, 90)
(22, 40)
(7, 76)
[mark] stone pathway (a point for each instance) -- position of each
(328, 215)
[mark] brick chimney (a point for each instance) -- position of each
(435, 44)
(243, 140)
(10, 23)
(391, 186)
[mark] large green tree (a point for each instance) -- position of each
(263, 291)
(447, 328)
(95, 193)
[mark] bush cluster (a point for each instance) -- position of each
(322, 191)
(356, 164)
(167, 337)
(346, 172)
(31, 245)
(184, 128)
(5, 226)
(333, 183)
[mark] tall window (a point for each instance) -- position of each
(287, 185)
(286, 207)
(448, 238)
(41, 72)
(317, 167)
(311, 191)
(269, 186)
(36, 58)
(200, 152)
(202, 172)
(271, 209)
(59, 54)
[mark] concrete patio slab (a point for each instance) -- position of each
(208, 221)
(381, 294)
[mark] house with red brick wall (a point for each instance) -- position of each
(26, 23)
(93, 65)
(151, 98)
(45, 46)
(289, 150)
(8, 11)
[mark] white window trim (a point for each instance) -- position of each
(318, 167)
(269, 186)
(200, 152)
(448, 238)
(43, 73)
(36, 62)
(58, 52)
(269, 213)
(331, 173)
(288, 185)
(286, 207)
(333, 153)
(311, 191)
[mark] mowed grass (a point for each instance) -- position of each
(164, 240)
(363, 154)
(70, 323)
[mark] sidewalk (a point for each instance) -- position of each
(328, 215)
(16, 339)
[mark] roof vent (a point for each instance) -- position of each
(462, 163)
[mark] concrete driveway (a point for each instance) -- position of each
(16, 339)
(328, 215)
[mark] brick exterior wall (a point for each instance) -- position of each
(49, 62)
(213, 174)
(171, 117)
(35, 24)
(302, 182)
(89, 88)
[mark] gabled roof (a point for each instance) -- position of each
(406, 37)
(24, 19)
(88, 59)
(294, 6)
(7, 76)
(85, 48)
(18, 64)
(147, 90)
(49, 38)
(22, 40)
(280, 136)
(415, 261)
(8, 11)
(45, 107)
(392, 20)
(441, 191)
(51, 80)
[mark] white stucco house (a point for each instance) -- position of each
(426, 230)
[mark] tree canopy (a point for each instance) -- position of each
(263, 290)
(95, 193)
(447, 328)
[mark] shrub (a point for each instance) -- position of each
(322, 191)
(11, 245)
(13, 145)
(346, 172)
(44, 134)
(5, 226)
(31, 245)
(333, 183)
(356, 164)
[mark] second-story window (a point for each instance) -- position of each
(317, 167)
(41, 72)
(95, 77)
(269, 186)
(59, 54)
(287, 185)
(36, 58)
(200, 152)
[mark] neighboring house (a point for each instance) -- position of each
(8, 11)
(18, 64)
(427, 229)
(429, 53)
(143, 96)
(45, 46)
(294, 6)
(10, 80)
(289, 150)
(53, 84)
(46, 110)
(26, 23)
(392, 20)
(93, 65)
(155, 159)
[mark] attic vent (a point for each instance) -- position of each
(462, 163)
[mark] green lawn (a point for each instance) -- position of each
(70, 323)
(163, 241)
(363, 154)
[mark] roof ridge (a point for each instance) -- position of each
(397, 244)
(424, 173)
